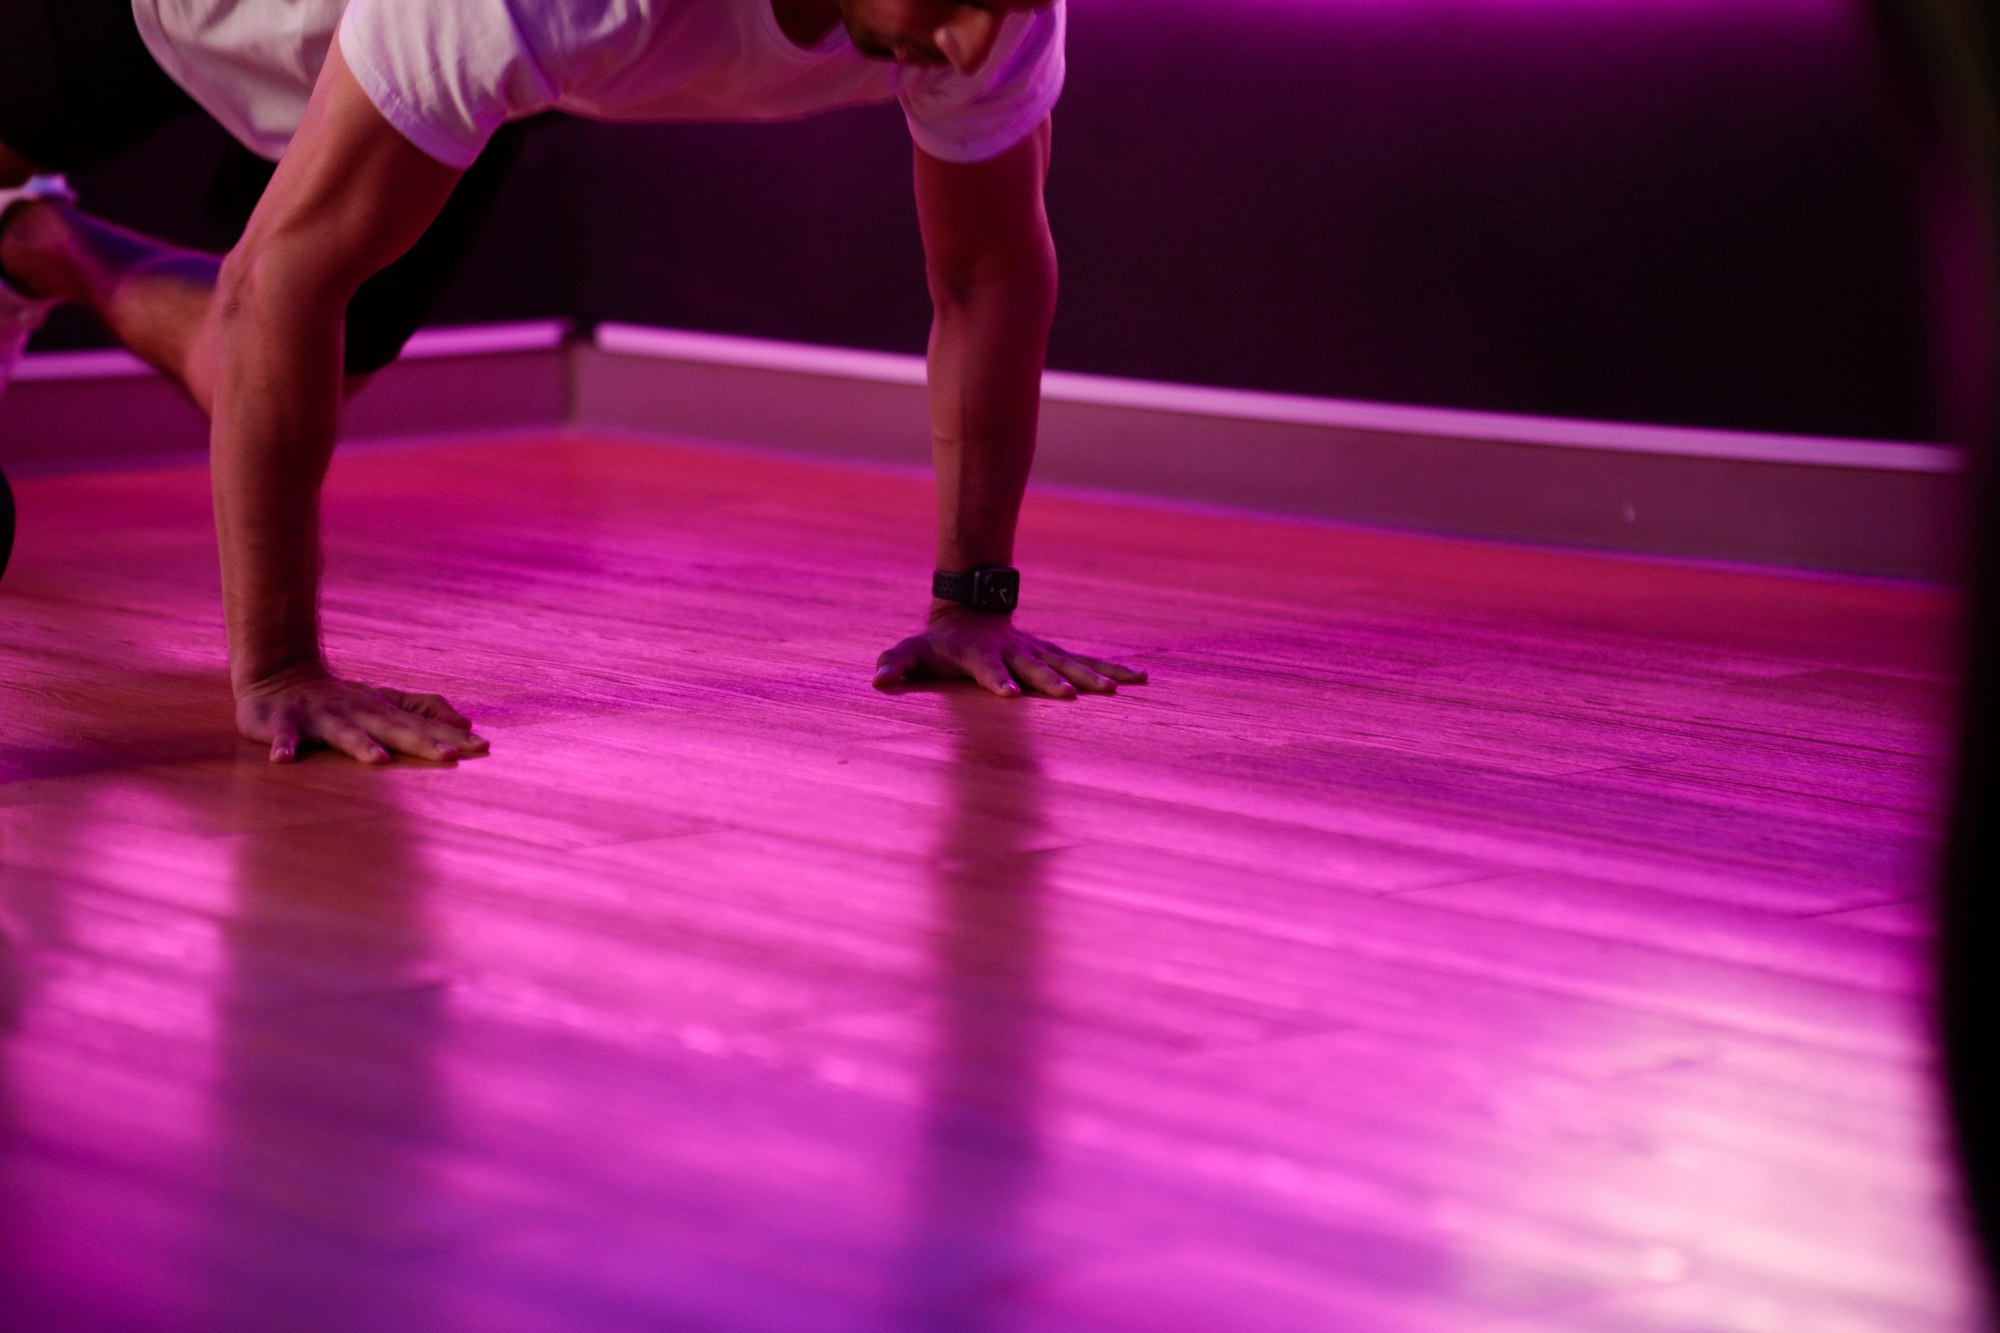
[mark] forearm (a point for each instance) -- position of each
(992, 269)
(988, 344)
(986, 362)
(276, 409)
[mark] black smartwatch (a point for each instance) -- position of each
(995, 589)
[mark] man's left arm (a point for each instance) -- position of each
(992, 269)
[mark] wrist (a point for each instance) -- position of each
(280, 676)
(992, 589)
(946, 610)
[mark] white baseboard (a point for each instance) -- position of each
(1861, 506)
(67, 411)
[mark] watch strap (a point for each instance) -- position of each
(995, 589)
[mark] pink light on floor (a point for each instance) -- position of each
(1451, 936)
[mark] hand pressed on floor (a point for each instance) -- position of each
(970, 645)
(370, 723)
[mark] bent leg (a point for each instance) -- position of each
(20, 313)
(77, 89)
(152, 296)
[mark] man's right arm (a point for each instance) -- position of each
(350, 196)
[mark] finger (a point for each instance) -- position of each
(895, 666)
(423, 725)
(992, 673)
(285, 741)
(428, 705)
(1124, 675)
(1039, 676)
(348, 737)
(467, 741)
(1043, 678)
(419, 737)
(1081, 676)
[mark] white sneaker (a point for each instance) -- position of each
(21, 315)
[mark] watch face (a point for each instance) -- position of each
(996, 590)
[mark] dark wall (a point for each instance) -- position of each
(1637, 209)
(1663, 210)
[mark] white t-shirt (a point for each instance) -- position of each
(447, 73)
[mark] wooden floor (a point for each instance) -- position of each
(1452, 937)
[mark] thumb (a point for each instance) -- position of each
(895, 665)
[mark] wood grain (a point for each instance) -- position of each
(1452, 937)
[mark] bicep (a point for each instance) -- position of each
(984, 219)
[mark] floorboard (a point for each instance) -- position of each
(1452, 936)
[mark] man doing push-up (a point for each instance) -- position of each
(378, 111)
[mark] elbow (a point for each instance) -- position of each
(241, 289)
(1028, 274)
(235, 286)
(271, 321)
(262, 286)
(246, 292)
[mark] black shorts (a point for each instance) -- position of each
(78, 87)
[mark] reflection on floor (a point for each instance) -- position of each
(1451, 937)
